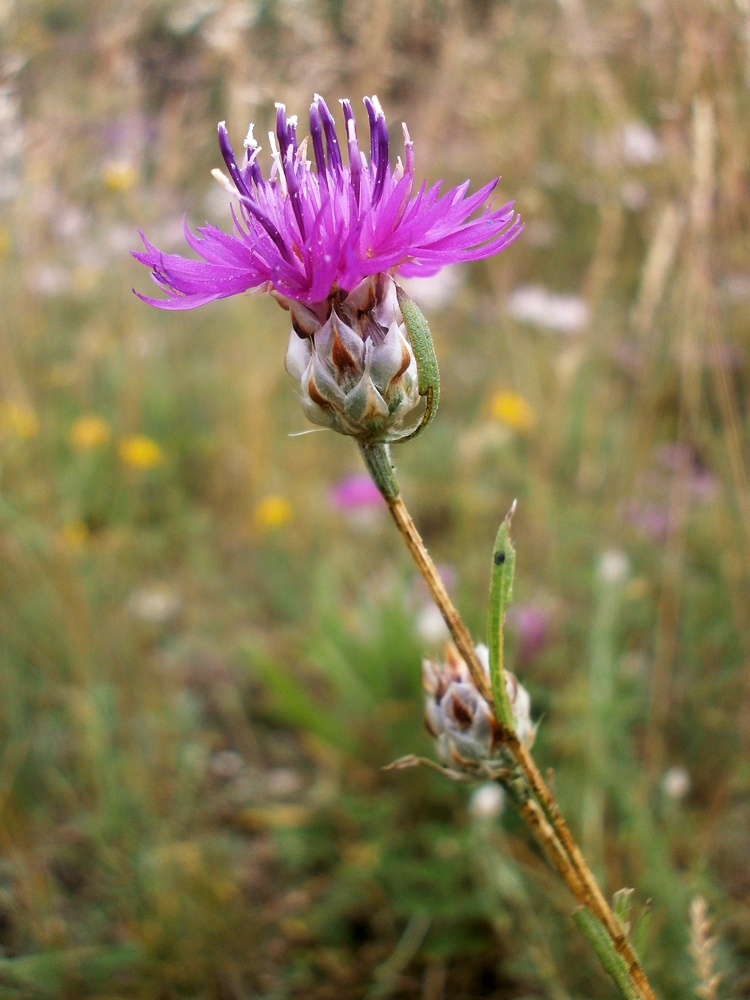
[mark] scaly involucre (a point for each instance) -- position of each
(307, 235)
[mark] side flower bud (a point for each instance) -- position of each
(457, 716)
(357, 370)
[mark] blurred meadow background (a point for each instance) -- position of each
(211, 637)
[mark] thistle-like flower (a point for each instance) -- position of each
(326, 244)
(312, 235)
(462, 723)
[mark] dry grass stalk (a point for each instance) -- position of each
(701, 950)
(657, 268)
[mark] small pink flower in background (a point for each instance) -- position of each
(674, 462)
(680, 458)
(530, 623)
(704, 486)
(355, 493)
(674, 456)
(650, 518)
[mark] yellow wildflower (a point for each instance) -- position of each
(513, 411)
(89, 432)
(272, 512)
(140, 452)
(75, 533)
(119, 176)
(18, 420)
(225, 891)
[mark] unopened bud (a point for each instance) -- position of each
(357, 370)
(467, 735)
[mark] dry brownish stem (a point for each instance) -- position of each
(554, 836)
(555, 853)
(440, 596)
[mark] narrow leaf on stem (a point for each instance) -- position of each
(428, 374)
(501, 587)
(610, 961)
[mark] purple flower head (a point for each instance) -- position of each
(307, 235)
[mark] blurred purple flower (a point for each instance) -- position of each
(650, 518)
(530, 622)
(704, 486)
(356, 492)
(675, 462)
(674, 456)
(307, 236)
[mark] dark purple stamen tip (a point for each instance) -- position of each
(381, 132)
(335, 163)
(228, 154)
(316, 134)
(292, 185)
(245, 197)
(286, 131)
(282, 130)
(371, 117)
(347, 109)
(251, 168)
(355, 164)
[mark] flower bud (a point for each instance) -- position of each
(357, 370)
(463, 724)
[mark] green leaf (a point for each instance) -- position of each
(621, 907)
(609, 959)
(501, 589)
(428, 373)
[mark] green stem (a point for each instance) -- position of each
(610, 961)
(378, 461)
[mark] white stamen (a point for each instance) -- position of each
(301, 156)
(277, 165)
(252, 156)
(224, 181)
(352, 130)
(250, 140)
(292, 121)
(376, 105)
(407, 137)
(398, 172)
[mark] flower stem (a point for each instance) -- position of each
(541, 813)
